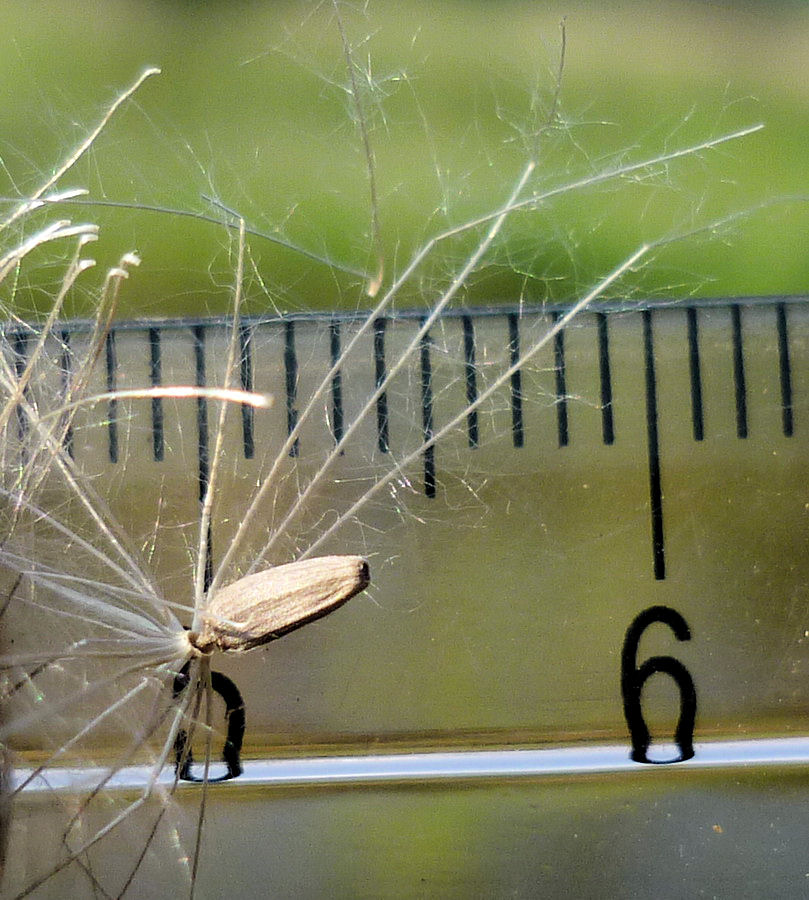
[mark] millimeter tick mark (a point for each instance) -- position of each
(655, 492)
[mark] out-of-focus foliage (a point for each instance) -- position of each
(252, 109)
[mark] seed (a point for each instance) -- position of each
(259, 608)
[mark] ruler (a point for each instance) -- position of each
(652, 456)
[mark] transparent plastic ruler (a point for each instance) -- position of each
(631, 502)
(649, 455)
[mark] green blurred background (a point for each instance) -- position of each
(252, 108)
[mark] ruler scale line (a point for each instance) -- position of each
(337, 421)
(246, 381)
(561, 384)
(65, 374)
(739, 379)
(383, 437)
(112, 407)
(517, 432)
(605, 378)
(203, 458)
(471, 380)
(427, 414)
(291, 377)
(655, 490)
(784, 370)
(695, 372)
(19, 346)
(156, 380)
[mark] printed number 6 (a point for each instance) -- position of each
(633, 678)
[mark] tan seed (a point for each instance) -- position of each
(259, 608)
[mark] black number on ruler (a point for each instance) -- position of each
(234, 715)
(633, 677)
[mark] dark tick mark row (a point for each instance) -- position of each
(18, 340)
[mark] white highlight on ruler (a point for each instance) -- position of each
(460, 765)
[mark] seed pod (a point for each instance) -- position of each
(258, 608)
